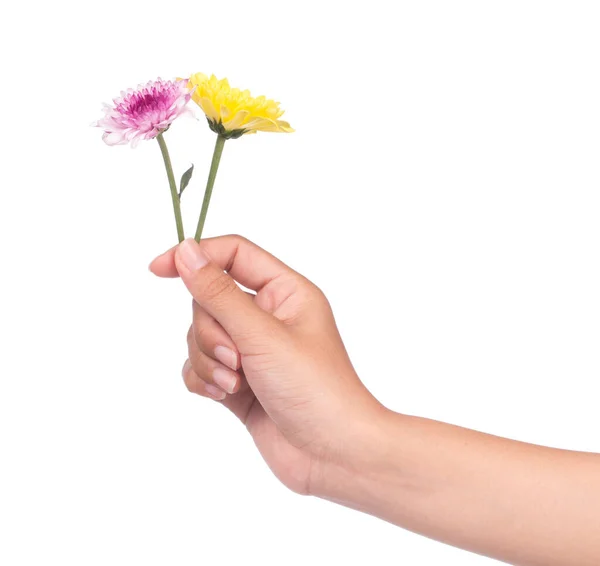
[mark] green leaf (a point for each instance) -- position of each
(185, 179)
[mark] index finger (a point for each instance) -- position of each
(246, 262)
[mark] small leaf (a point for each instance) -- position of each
(185, 179)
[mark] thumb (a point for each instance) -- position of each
(218, 294)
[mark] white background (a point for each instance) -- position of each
(442, 188)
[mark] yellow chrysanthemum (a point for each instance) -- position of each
(232, 112)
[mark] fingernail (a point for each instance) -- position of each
(186, 367)
(191, 255)
(225, 379)
(214, 392)
(227, 357)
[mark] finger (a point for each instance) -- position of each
(211, 338)
(211, 371)
(217, 293)
(164, 264)
(246, 262)
(240, 405)
(196, 385)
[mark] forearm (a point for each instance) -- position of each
(524, 504)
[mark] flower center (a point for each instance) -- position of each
(142, 103)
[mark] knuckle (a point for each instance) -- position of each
(316, 294)
(237, 239)
(219, 287)
(195, 360)
(319, 303)
(188, 380)
(200, 365)
(203, 336)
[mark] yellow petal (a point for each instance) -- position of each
(285, 127)
(237, 121)
(198, 78)
(237, 109)
(208, 108)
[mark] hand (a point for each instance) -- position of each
(275, 359)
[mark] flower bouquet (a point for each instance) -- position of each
(148, 111)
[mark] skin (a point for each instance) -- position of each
(276, 360)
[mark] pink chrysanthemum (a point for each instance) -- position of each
(143, 113)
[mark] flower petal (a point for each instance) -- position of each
(209, 109)
(114, 138)
(237, 120)
(142, 113)
(235, 108)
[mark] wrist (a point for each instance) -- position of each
(368, 452)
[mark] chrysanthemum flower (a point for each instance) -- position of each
(144, 113)
(232, 112)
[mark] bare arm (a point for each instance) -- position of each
(520, 503)
(276, 360)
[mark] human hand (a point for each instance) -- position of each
(275, 359)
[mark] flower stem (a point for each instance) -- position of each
(214, 166)
(173, 186)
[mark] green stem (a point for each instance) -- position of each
(214, 166)
(173, 186)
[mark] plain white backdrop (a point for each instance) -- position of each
(442, 188)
